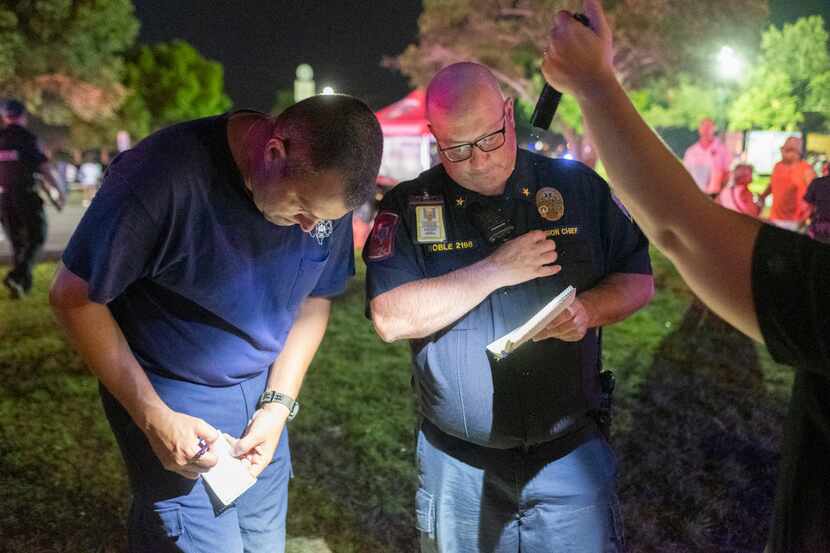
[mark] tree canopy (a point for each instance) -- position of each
(166, 83)
(63, 57)
(652, 37)
(662, 48)
(791, 81)
(173, 82)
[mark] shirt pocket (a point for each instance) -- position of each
(576, 257)
(308, 273)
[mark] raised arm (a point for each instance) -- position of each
(711, 246)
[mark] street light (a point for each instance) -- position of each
(730, 64)
(730, 70)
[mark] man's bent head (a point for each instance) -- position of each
(329, 152)
(474, 126)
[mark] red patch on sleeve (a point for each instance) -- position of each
(382, 239)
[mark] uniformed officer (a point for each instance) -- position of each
(21, 209)
(198, 286)
(508, 457)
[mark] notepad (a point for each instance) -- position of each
(229, 477)
(505, 345)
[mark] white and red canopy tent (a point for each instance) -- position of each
(407, 142)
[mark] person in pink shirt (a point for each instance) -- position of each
(737, 196)
(708, 160)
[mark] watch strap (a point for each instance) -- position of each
(273, 396)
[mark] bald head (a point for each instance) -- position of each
(791, 149)
(458, 85)
(792, 143)
(465, 106)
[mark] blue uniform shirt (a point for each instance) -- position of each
(204, 288)
(543, 390)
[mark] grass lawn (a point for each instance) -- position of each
(699, 412)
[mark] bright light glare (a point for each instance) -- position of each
(327, 90)
(538, 145)
(568, 156)
(730, 64)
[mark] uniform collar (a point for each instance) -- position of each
(520, 184)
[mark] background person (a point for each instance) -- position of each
(23, 168)
(708, 160)
(818, 197)
(788, 184)
(89, 177)
(737, 195)
(767, 282)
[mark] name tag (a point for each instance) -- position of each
(429, 219)
(458, 245)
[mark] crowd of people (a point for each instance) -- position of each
(83, 171)
(799, 195)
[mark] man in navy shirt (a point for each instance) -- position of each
(509, 458)
(767, 282)
(197, 288)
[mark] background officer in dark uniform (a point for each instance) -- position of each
(21, 209)
(507, 453)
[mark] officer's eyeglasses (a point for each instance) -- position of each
(488, 143)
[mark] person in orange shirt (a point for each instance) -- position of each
(788, 184)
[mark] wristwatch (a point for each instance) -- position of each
(273, 396)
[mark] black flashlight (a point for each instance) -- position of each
(549, 98)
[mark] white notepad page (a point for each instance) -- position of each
(509, 342)
(229, 477)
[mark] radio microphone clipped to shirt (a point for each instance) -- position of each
(491, 223)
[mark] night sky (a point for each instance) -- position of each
(260, 42)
